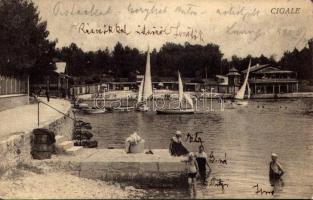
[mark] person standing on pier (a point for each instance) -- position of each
(202, 161)
(47, 95)
(177, 148)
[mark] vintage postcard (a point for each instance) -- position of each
(160, 99)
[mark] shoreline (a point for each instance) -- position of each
(115, 95)
(26, 181)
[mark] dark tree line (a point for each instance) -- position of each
(299, 61)
(192, 60)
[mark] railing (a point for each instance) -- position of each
(38, 113)
(285, 80)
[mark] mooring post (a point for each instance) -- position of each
(38, 113)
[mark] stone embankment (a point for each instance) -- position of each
(18, 123)
(159, 169)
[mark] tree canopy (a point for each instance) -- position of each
(196, 61)
(24, 46)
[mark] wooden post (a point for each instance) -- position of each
(297, 87)
(11, 88)
(59, 85)
(28, 91)
(67, 89)
(38, 113)
(6, 85)
(19, 85)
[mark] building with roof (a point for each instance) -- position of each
(266, 79)
(233, 80)
(56, 82)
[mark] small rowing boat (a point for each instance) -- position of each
(93, 111)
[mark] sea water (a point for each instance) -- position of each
(240, 138)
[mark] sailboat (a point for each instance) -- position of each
(241, 92)
(181, 96)
(96, 109)
(145, 88)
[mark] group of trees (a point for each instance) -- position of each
(300, 62)
(24, 47)
(192, 60)
(127, 62)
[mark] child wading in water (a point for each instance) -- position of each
(202, 161)
(192, 170)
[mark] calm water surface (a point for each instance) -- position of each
(248, 135)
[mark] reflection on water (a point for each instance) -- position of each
(247, 134)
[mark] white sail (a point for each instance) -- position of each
(188, 99)
(147, 85)
(180, 89)
(139, 99)
(240, 94)
(249, 91)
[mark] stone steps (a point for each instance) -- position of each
(63, 146)
(59, 139)
(73, 151)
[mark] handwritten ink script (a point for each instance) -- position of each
(212, 159)
(244, 23)
(235, 29)
(85, 28)
(59, 9)
(194, 138)
(175, 30)
(217, 182)
(147, 11)
(241, 11)
(259, 190)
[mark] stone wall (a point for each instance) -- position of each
(15, 149)
(7, 102)
(144, 174)
(159, 169)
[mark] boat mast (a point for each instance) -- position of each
(180, 90)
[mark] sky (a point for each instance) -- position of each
(239, 27)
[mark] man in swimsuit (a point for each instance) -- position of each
(202, 161)
(276, 171)
(177, 147)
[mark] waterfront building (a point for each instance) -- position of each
(56, 82)
(266, 79)
(263, 79)
(219, 84)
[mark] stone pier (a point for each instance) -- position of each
(159, 169)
